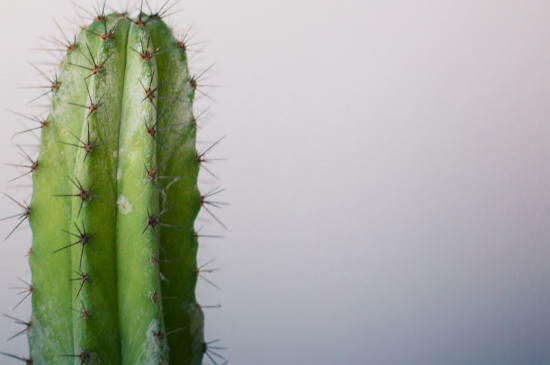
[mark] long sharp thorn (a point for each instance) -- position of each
(203, 72)
(17, 334)
(75, 65)
(62, 248)
(211, 146)
(81, 256)
(38, 97)
(210, 357)
(164, 13)
(41, 72)
(16, 320)
(104, 61)
(15, 201)
(91, 55)
(209, 262)
(22, 300)
(13, 230)
(206, 95)
(25, 131)
(11, 216)
(24, 359)
(209, 282)
(213, 192)
(20, 176)
(214, 216)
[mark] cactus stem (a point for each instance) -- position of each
(152, 275)
(27, 361)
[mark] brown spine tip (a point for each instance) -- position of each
(56, 85)
(182, 46)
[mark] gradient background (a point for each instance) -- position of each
(388, 171)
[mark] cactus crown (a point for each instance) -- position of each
(115, 196)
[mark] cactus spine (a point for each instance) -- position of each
(115, 197)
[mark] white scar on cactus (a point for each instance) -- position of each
(124, 206)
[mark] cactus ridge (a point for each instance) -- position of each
(115, 197)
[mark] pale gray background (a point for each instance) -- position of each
(388, 173)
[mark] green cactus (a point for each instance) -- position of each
(115, 196)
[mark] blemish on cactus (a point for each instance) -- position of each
(124, 205)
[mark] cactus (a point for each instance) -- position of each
(115, 196)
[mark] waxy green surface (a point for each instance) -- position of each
(115, 198)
